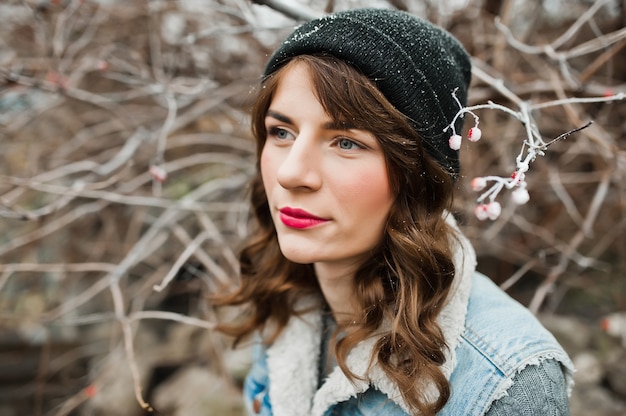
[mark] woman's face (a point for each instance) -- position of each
(326, 183)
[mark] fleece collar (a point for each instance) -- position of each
(293, 357)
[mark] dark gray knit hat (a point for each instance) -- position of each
(415, 64)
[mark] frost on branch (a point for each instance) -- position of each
(532, 146)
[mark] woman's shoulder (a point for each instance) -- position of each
(504, 331)
(501, 339)
(536, 390)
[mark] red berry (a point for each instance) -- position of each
(455, 142)
(520, 196)
(474, 134)
(158, 173)
(90, 391)
(478, 183)
(481, 212)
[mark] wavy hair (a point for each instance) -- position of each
(403, 285)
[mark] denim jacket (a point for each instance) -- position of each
(490, 336)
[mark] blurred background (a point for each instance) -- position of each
(125, 155)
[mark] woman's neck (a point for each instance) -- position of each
(338, 290)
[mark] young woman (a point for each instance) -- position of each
(360, 287)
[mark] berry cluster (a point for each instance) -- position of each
(473, 135)
(488, 207)
(533, 146)
(492, 209)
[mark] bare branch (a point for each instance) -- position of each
(288, 8)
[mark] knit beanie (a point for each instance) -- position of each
(415, 64)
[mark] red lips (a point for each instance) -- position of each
(299, 218)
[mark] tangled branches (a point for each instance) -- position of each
(126, 155)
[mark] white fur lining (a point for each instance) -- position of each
(293, 358)
(292, 365)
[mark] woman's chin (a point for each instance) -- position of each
(298, 257)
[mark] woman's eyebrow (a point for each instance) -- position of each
(331, 125)
(278, 116)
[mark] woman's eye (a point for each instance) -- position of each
(347, 144)
(279, 133)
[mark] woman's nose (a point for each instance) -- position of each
(300, 168)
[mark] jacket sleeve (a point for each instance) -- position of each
(256, 385)
(536, 390)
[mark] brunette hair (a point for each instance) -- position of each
(407, 278)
